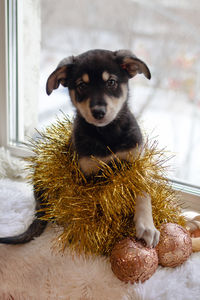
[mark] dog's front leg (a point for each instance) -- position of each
(143, 219)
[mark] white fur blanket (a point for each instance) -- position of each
(33, 271)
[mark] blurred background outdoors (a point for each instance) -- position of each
(163, 33)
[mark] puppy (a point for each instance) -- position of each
(98, 87)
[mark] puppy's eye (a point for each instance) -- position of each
(111, 83)
(81, 86)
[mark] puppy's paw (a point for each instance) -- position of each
(148, 233)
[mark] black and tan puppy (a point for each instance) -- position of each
(98, 86)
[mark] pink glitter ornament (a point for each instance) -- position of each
(175, 245)
(131, 261)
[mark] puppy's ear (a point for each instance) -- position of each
(60, 75)
(133, 65)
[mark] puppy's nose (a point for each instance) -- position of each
(99, 112)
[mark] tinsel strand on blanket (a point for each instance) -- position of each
(94, 214)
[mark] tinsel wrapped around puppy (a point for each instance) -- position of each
(97, 212)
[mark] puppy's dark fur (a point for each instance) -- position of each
(98, 86)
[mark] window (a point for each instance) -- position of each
(163, 33)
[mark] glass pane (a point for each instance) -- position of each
(165, 34)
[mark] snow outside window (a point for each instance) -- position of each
(165, 34)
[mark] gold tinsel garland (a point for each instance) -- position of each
(94, 214)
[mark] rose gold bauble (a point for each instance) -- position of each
(195, 233)
(175, 245)
(131, 261)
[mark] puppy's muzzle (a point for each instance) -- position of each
(98, 112)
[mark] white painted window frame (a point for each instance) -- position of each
(190, 194)
(4, 76)
(6, 90)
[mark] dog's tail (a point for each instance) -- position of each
(34, 230)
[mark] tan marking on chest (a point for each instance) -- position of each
(91, 165)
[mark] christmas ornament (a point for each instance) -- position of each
(193, 226)
(94, 214)
(131, 261)
(175, 245)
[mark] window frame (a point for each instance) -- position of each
(3, 75)
(189, 194)
(6, 83)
